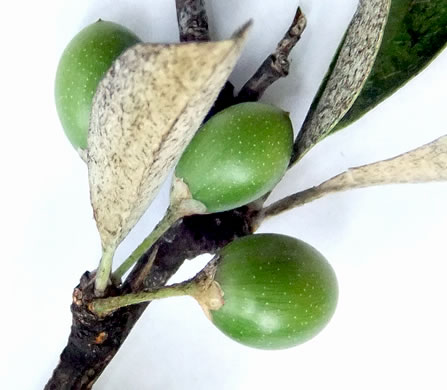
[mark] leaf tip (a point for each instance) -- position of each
(242, 32)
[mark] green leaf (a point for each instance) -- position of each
(415, 33)
(346, 76)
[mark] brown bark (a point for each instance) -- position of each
(192, 20)
(276, 65)
(93, 341)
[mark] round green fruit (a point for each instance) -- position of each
(278, 291)
(237, 156)
(83, 63)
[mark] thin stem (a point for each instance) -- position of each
(105, 306)
(181, 205)
(168, 220)
(103, 272)
(192, 21)
(290, 202)
(201, 287)
(137, 283)
(277, 64)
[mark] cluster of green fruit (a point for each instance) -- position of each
(278, 291)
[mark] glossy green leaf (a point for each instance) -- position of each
(416, 32)
(346, 76)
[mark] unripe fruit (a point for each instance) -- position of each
(237, 156)
(83, 63)
(278, 291)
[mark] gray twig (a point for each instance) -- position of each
(192, 21)
(275, 65)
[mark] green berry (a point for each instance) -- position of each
(278, 291)
(237, 156)
(83, 63)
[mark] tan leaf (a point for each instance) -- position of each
(347, 74)
(424, 164)
(427, 163)
(145, 111)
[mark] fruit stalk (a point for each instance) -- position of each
(181, 205)
(168, 220)
(105, 306)
(201, 287)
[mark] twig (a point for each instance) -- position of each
(292, 201)
(277, 64)
(192, 20)
(193, 27)
(94, 341)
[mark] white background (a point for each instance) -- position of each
(387, 245)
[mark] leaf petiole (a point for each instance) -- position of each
(103, 271)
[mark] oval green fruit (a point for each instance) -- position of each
(278, 291)
(237, 156)
(83, 63)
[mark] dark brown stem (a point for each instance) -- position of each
(276, 65)
(192, 20)
(93, 342)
